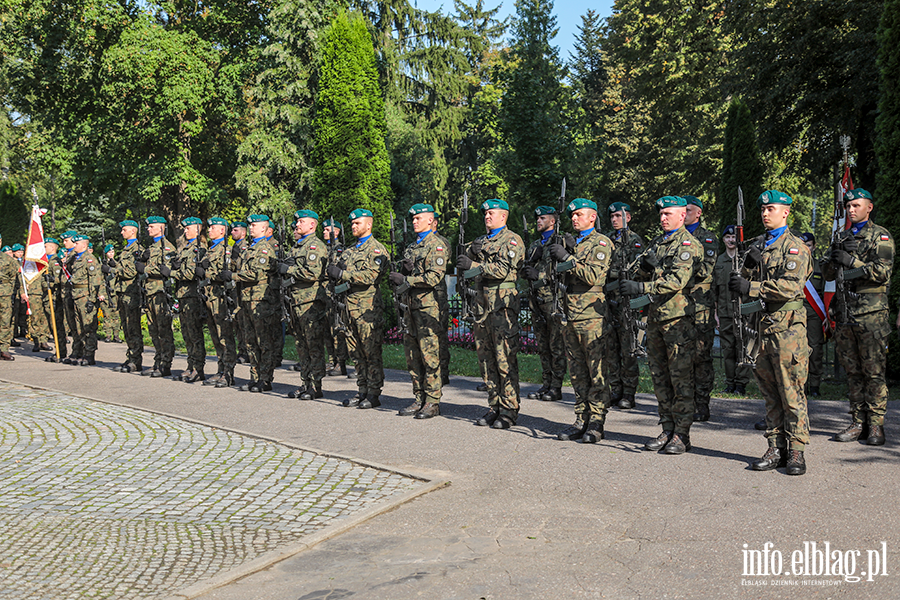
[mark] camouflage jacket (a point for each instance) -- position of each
(585, 276)
(257, 277)
(219, 258)
(701, 287)
(721, 293)
(185, 276)
(429, 267)
(9, 272)
(308, 271)
(86, 281)
(160, 253)
(367, 266)
(126, 276)
(779, 280)
(441, 289)
(541, 289)
(669, 284)
(624, 254)
(495, 270)
(868, 279)
(818, 283)
(56, 277)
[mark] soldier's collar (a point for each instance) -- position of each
(668, 234)
(192, 240)
(128, 243)
(303, 237)
(494, 232)
(694, 227)
(858, 227)
(216, 242)
(156, 239)
(255, 241)
(422, 236)
(362, 241)
(546, 236)
(584, 234)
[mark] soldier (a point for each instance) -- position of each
(701, 292)
(622, 364)
(493, 260)
(279, 325)
(258, 292)
(219, 302)
(815, 326)
(38, 289)
(444, 304)
(667, 269)
(547, 326)
(86, 286)
(366, 267)
(865, 256)
(57, 278)
(239, 237)
(9, 272)
(191, 306)
(585, 271)
(127, 284)
(305, 270)
(21, 316)
(776, 267)
(335, 335)
(110, 306)
(154, 264)
(736, 376)
(421, 273)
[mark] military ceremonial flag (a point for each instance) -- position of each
(35, 260)
(831, 286)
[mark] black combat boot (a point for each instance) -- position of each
(627, 402)
(354, 401)
(852, 433)
(678, 444)
(431, 409)
(150, 372)
(796, 464)
(488, 418)
(482, 387)
(593, 433)
(249, 385)
(659, 442)
(572, 432)
(552, 395)
(370, 401)
(300, 391)
(760, 425)
(772, 459)
(614, 397)
(503, 422)
(876, 435)
(215, 378)
(702, 413)
(538, 394)
(313, 391)
(412, 409)
(195, 375)
(227, 379)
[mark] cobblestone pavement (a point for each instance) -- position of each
(102, 501)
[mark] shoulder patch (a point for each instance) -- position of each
(264, 251)
(885, 237)
(684, 255)
(513, 242)
(709, 240)
(440, 248)
(686, 243)
(377, 251)
(794, 251)
(602, 243)
(90, 260)
(637, 244)
(313, 247)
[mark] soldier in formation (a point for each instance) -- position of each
(110, 306)
(128, 284)
(336, 329)
(220, 302)
(736, 375)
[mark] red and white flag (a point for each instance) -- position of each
(830, 286)
(35, 260)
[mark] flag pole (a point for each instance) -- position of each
(53, 321)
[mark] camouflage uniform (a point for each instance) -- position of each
(422, 337)
(58, 280)
(159, 313)
(308, 300)
(9, 272)
(367, 265)
(335, 339)
(68, 306)
(86, 286)
(623, 368)
(783, 360)
(815, 334)
(221, 322)
(110, 307)
(240, 317)
(191, 306)
(127, 286)
(548, 329)
(861, 344)
(586, 325)
(259, 289)
(736, 377)
(670, 327)
(38, 329)
(704, 322)
(497, 317)
(443, 301)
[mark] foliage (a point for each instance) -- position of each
(14, 214)
(741, 167)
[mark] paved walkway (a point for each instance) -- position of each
(527, 516)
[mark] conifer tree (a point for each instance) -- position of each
(741, 166)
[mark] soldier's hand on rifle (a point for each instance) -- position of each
(463, 262)
(145, 255)
(570, 242)
(106, 269)
(397, 278)
(631, 288)
(283, 267)
(649, 262)
(536, 254)
(176, 263)
(407, 265)
(164, 270)
(558, 252)
(199, 272)
(753, 257)
(225, 275)
(205, 262)
(111, 262)
(530, 273)
(850, 245)
(89, 305)
(334, 272)
(842, 257)
(476, 246)
(342, 264)
(139, 267)
(738, 285)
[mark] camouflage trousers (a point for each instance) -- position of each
(130, 316)
(704, 374)
(72, 327)
(497, 345)
(221, 330)
(423, 353)
(366, 337)
(670, 352)
(731, 354)
(309, 333)
(587, 346)
(191, 312)
(261, 319)
(111, 322)
(863, 354)
(550, 336)
(159, 326)
(781, 370)
(240, 326)
(622, 367)
(815, 337)
(444, 338)
(6, 328)
(85, 334)
(38, 325)
(59, 314)
(336, 345)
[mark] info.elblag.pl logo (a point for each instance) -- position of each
(830, 566)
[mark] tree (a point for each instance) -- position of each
(589, 79)
(350, 157)
(741, 167)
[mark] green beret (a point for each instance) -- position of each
(191, 221)
(694, 200)
(217, 221)
(857, 194)
(239, 224)
(617, 206)
(90, 244)
(107, 248)
(544, 210)
(17, 247)
(128, 223)
(578, 203)
(156, 221)
(79, 238)
(257, 218)
(306, 214)
(668, 201)
(5, 249)
(51, 241)
(333, 224)
(416, 209)
(69, 234)
(359, 213)
(773, 197)
(494, 203)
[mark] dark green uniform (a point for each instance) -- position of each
(621, 362)
(127, 286)
(9, 271)
(336, 329)
(815, 334)
(736, 377)
(86, 286)
(159, 312)
(58, 280)
(110, 306)
(704, 320)
(259, 289)
(308, 300)
(444, 333)
(218, 308)
(191, 307)
(240, 317)
(548, 330)
(38, 327)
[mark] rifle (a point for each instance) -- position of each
(737, 265)
(284, 282)
(632, 322)
(529, 260)
(104, 261)
(837, 237)
(559, 311)
(337, 299)
(230, 301)
(398, 293)
(142, 282)
(465, 292)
